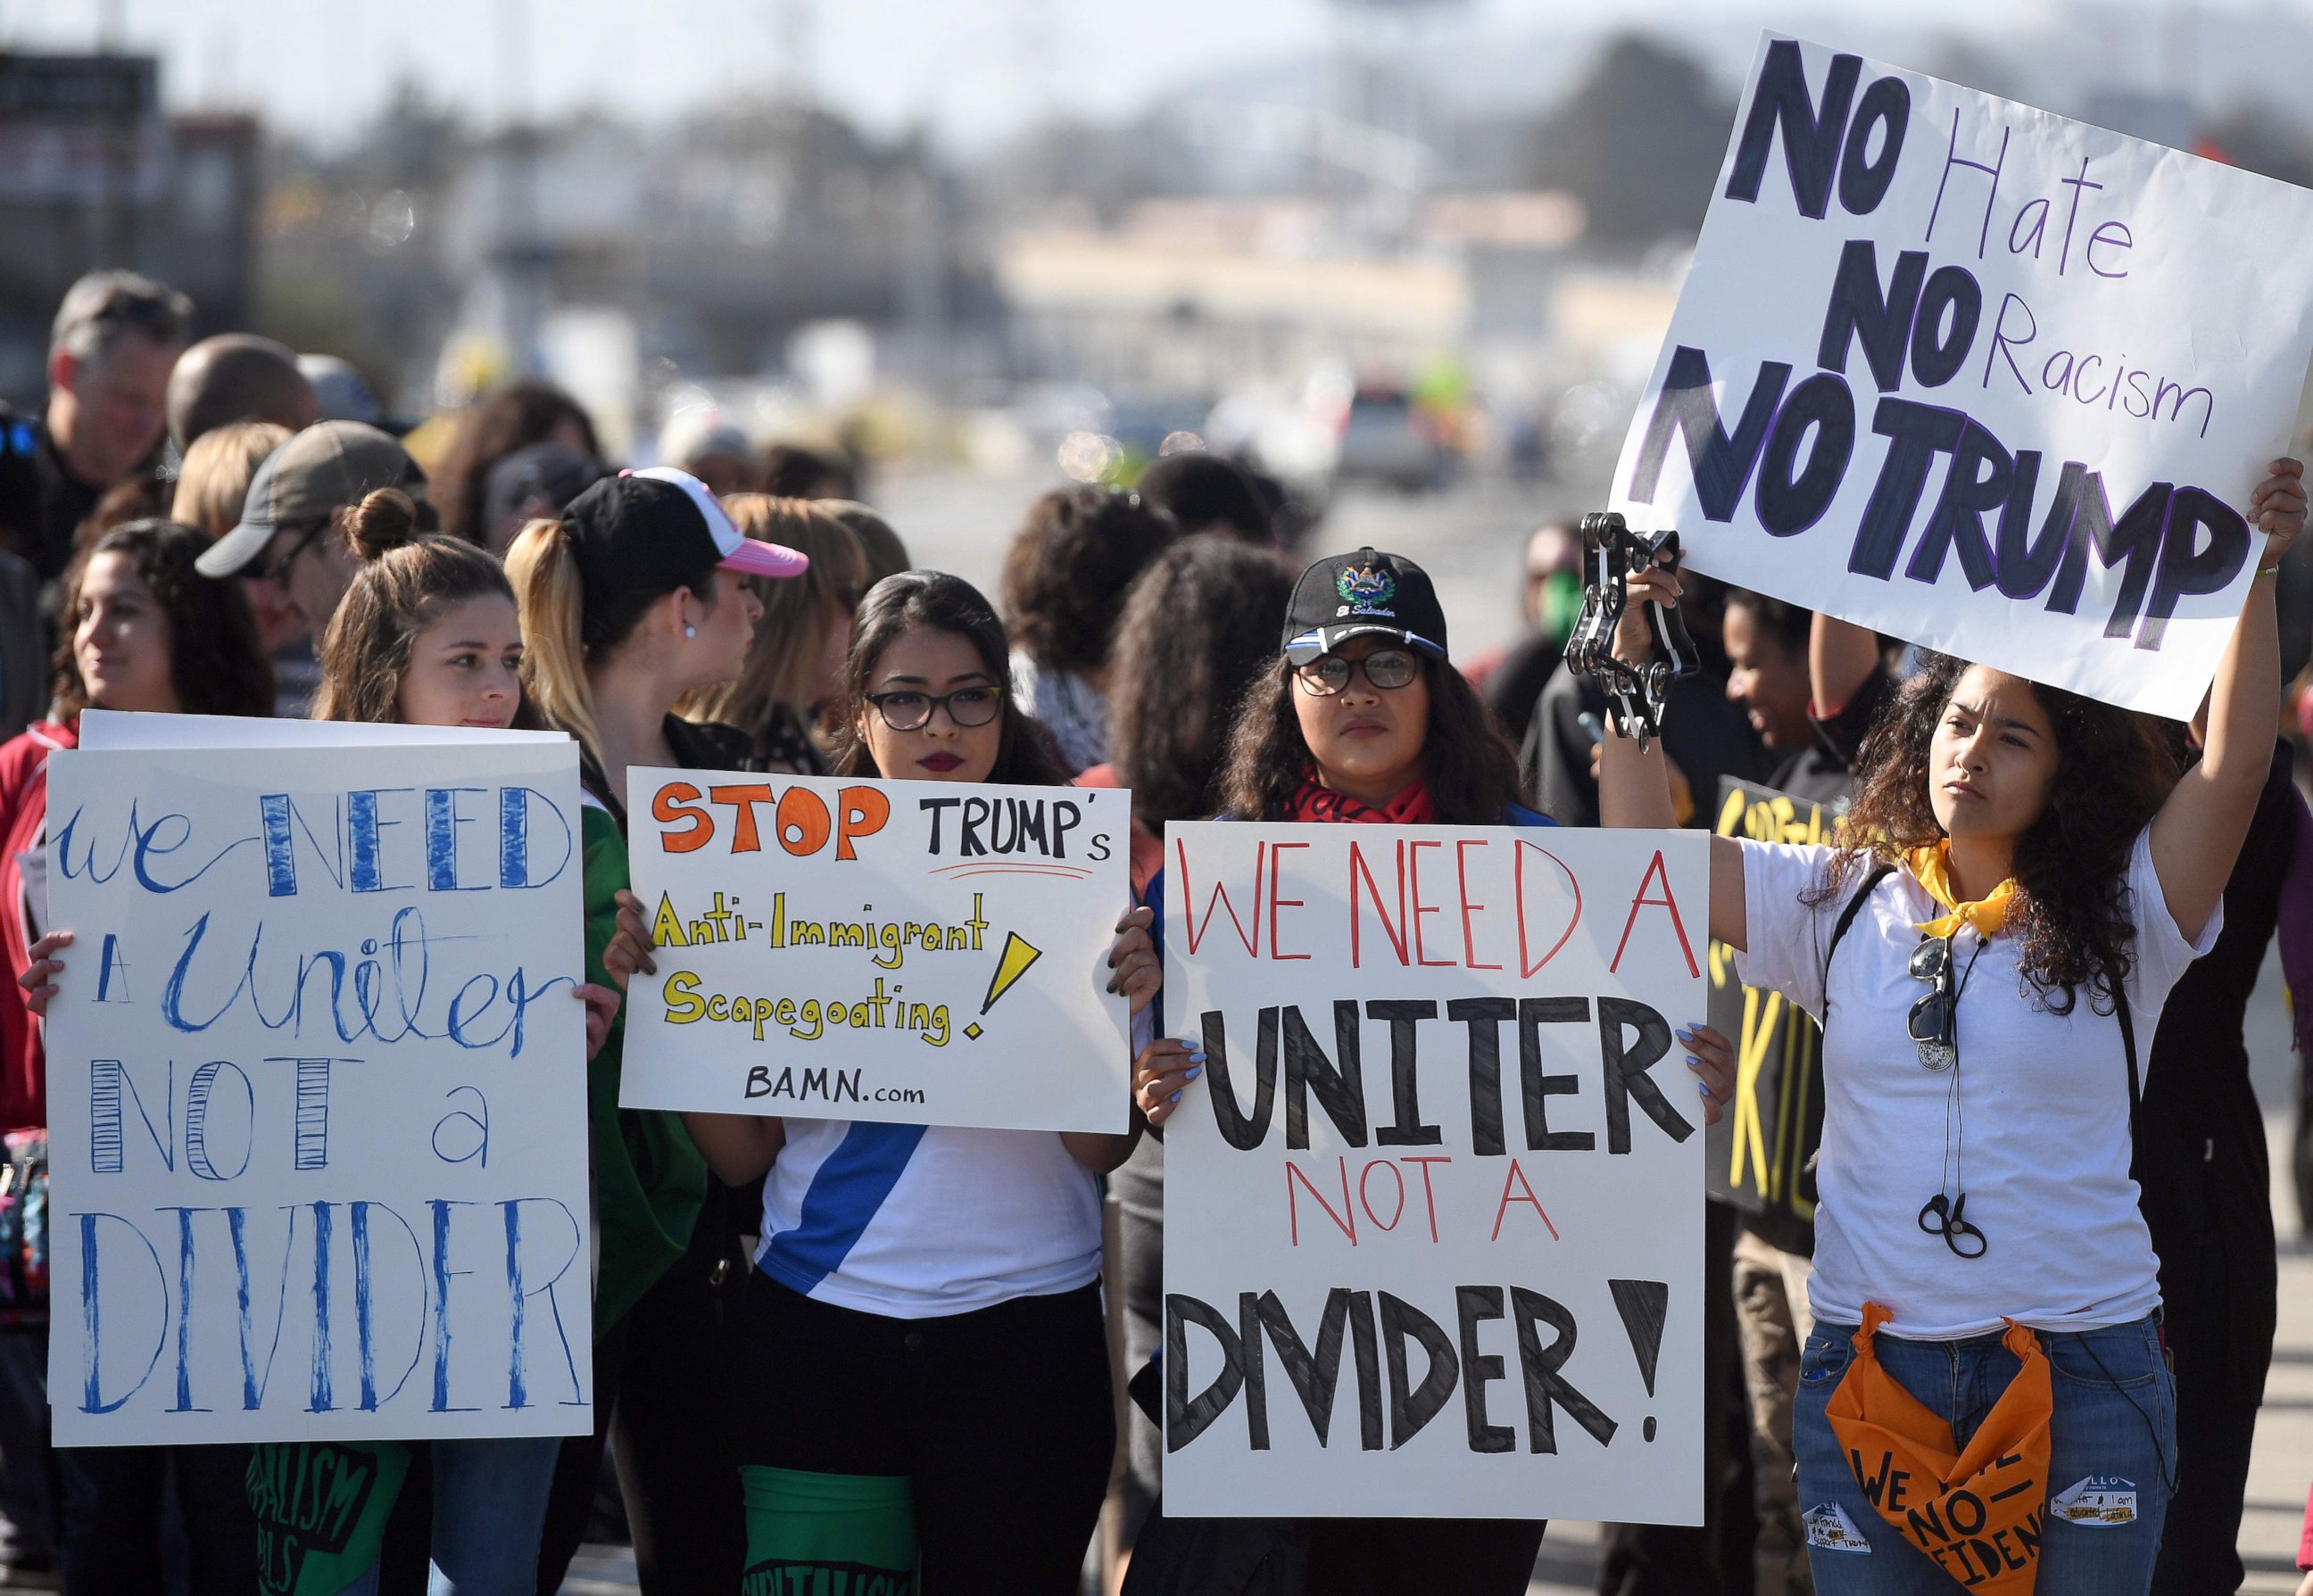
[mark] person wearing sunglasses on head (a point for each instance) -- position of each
(1359, 719)
(2026, 878)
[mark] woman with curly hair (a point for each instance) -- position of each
(2024, 878)
(143, 631)
(1065, 579)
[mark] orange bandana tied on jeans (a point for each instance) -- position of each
(1931, 868)
(1978, 1514)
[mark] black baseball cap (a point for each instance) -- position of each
(1350, 595)
(654, 530)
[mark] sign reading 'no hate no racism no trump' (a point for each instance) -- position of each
(1433, 1224)
(924, 953)
(1993, 381)
(316, 1094)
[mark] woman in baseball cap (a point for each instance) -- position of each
(637, 596)
(1361, 720)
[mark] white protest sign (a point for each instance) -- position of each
(1989, 379)
(317, 1095)
(1433, 1214)
(924, 953)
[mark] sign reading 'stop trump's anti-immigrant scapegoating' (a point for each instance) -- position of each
(1433, 1213)
(926, 953)
(1993, 381)
(317, 1097)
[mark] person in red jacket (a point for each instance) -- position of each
(143, 630)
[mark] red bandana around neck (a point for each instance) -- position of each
(1412, 807)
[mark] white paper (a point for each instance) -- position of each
(1488, 1166)
(2098, 304)
(317, 1095)
(925, 953)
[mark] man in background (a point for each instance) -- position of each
(238, 376)
(115, 338)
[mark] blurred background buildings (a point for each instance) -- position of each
(1401, 240)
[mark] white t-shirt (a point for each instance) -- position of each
(916, 1222)
(2045, 1154)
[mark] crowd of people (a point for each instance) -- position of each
(898, 1348)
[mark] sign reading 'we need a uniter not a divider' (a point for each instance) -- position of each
(1989, 379)
(1433, 1216)
(924, 953)
(316, 1094)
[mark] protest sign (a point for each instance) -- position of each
(1991, 380)
(1445, 1129)
(923, 952)
(1761, 1155)
(316, 1094)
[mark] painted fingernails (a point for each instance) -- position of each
(1174, 1097)
(1694, 1063)
(1705, 1090)
(1193, 1073)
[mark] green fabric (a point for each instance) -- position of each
(828, 1534)
(320, 1507)
(649, 1181)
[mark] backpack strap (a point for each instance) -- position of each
(1846, 919)
(2128, 1044)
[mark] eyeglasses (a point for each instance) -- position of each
(277, 572)
(913, 712)
(1386, 670)
(1933, 1022)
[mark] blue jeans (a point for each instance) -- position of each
(2113, 1436)
(489, 1502)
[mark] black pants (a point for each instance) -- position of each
(2200, 1541)
(1387, 1556)
(661, 1398)
(1000, 1418)
(114, 1499)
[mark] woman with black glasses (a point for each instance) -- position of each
(1984, 1393)
(921, 1346)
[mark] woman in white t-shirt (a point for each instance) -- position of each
(921, 1362)
(1989, 962)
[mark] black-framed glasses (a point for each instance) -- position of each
(1933, 1024)
(277, 572)
(1386, 670)
(907, 711)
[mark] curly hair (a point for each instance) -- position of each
(1069, 567)
(214, 661)
(897, 605)
(2068, 917)
(1198, 627)
(516, 415)
(1469, 766)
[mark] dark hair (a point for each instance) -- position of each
(1196, 630)
(895, 606)
(408, 578)
(214, 660)
(2068, 917)
(1205, 493)
(516, 415)
(1069, 567)
(1468, 765)
(791, 471)
(1788, 624)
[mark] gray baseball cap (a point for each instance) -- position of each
(329, 464)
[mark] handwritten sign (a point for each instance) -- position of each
(316, 1094)
(919, 952)
(1433, 1215)
(1993, 381)
(1761, 1155)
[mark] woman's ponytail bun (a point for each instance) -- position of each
(382, 521)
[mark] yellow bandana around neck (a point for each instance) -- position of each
(1931, 868)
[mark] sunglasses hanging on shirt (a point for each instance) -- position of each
(1933, 1025)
